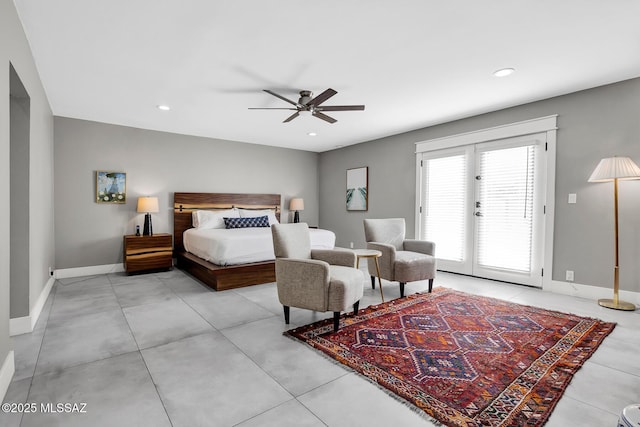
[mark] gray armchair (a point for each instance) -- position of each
(314, 279)
(403, 260)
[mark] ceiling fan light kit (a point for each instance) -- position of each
(308, 105)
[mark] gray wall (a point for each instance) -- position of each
(14, 49)
(593, 124)
(158, 164)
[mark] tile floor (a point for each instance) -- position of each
(163, 350)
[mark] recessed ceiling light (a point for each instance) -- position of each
(164, 107)
(504, 72)
(312, 134)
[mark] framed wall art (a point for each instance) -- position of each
(358, 189)
(111, 187)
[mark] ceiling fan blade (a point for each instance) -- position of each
(291, 117)
(324, 117)
(341, 108)
(282, 97)
(322, 97)
(267, 108)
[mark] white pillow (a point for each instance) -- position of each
(250, 213)
(194, 219)
(213, 219)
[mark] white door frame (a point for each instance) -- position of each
(546, 124)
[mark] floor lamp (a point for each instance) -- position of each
(614, 169)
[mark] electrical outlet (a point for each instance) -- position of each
(569, 276)
(573, 198)
(351, 245)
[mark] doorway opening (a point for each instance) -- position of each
(19, 147)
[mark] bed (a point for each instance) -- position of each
(242, 246)
(229, 258)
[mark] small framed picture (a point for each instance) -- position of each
(111, 187)
(358, 189)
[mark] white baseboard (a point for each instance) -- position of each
(20, 325)
(590, 292)
(42, 299)
(7, 370)
(93, 270)
(25, 325)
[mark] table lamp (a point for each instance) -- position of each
(296, 205)
(147, 205)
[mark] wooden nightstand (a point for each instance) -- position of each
(146, 253)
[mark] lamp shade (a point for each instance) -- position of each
(296, 205)
(148, 204)
(615, 167)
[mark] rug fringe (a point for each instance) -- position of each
(397, 398)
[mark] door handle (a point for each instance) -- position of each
(478, 214)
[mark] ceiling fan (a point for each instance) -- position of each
(307, 104)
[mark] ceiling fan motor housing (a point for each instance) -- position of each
(305, 97)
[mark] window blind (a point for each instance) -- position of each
(504, 227)
(445, 189)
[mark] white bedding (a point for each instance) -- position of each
(243, 245)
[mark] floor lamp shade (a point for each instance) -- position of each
(296, 205)
(614, 169)
(147, 205)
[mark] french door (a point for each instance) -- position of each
(483, 206)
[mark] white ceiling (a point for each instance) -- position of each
(413, 63)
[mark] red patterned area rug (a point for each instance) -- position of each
(463, 359)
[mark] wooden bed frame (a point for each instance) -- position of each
(216, 276)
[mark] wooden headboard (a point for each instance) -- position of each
(185, 203)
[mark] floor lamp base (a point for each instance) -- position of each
(620, 305)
